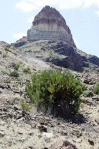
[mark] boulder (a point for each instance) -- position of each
(62, 144)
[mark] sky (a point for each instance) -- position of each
(82, 17)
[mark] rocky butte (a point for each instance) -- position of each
(50, 27)
(49, 24)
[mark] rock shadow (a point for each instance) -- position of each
(77, 119)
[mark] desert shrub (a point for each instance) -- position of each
(14, 74)
(59, 91)
(25, 106)
(15, 65)
(96, 88)
(26, 70)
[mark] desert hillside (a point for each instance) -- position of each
(34, 129)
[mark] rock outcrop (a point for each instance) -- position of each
(62, 144)
(94, 60)
(49, 24)
(60, 54)
(20, 42)
(71, 59)
(54, 43)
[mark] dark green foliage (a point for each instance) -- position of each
(96, 88)
(14, 74)
(55, 89)
(16, 66)
(26, 70)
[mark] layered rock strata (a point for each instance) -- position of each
(49, 24)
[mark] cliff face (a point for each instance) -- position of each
(50, 20)
(49, 24)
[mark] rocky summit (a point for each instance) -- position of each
(50, 40)
(49, 24)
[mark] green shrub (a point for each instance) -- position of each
(96, 88)
(16, 66)
(25, 106)
(14, 74)
(26, 70)
(59, 91)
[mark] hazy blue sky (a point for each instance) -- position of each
(82, 16)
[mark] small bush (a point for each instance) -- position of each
(25, 106)
(16, 66)
(59, 91)
(14, 74)
(96, 88)
(26, 70)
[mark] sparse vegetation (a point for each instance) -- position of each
(25, 106)
(14, 74)
(57, 90)
(26, 70)
(85, 93)
(15, 65)
(96, 88)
